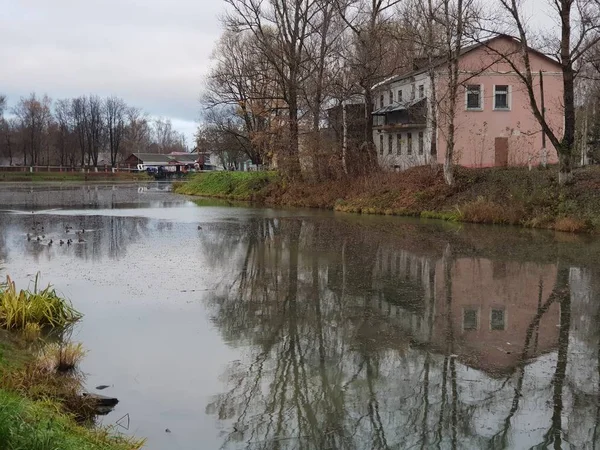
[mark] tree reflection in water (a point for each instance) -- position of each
(358, 338)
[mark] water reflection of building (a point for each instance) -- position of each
(353, 340)
(478, 309)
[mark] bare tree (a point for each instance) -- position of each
(34, 117)
(137, 136)
(115, 113)
(65, 142)
(374, 55)
(78, 113)
(224, 146)
(454, 27)
(242, 97)
(281, 29)
(94, 128)
(8, 134)
(577, 33)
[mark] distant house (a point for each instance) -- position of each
(494, 123)
(177, 161)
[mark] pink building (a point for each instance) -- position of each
(494, 122)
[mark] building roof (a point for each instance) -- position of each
(173, 158)
(438, 60)
(398, 106)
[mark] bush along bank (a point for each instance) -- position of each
(510, 196)
(42, 406)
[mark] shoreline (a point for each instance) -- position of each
(61, 177)
(499, 196)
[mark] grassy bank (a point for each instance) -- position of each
(41, 401)
(514, 196)
(244, 186)
(71, 176)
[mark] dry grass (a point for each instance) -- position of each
(485, 211)
(570, 224)
(60, 357)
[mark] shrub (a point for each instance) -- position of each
(44, 308)
(570, 224)
(485, 211)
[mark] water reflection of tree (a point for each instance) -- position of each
(327, 370)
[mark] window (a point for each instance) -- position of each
(501, 97)
(421, 143)
(470, 319)
(381, 101)
(412, 91)
(409, 143)
(474, 97)
(381, 144)
(421, 91)
(391, 97)
(399, 144)
(399, 95)
(390, 144)
(497, 320)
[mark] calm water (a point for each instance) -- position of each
(275, 329)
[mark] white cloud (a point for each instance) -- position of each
(154, 53)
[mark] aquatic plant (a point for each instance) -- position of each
(31, 332)
(42, 307)
(60, 357)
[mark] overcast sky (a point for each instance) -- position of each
(152, 53)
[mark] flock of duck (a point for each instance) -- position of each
(39, 235)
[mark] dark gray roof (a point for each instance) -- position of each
(147, 158)
(398, 106)
(156, 158)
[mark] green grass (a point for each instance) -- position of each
(71, 176)
(245, 186)
(28, 425)
(45, 307)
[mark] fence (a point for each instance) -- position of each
(64, 169)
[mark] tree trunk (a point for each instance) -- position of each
(292, 164)
(566, 147)
(448, 168)
(565, 174)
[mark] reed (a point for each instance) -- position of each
(60, 357)
(44, 307)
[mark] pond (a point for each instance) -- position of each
(231, 327)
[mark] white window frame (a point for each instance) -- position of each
(421, 91)
(413, 91)
(508, 99)
(481, 98)
(399, 144)
(400, 95)
(391, 96)
(390, 144)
